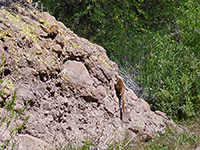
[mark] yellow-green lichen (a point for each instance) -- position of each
(29, 57)
(25, 28)
(16, 58)
(8, 86)
(63, 35)
(105, 62)
(17, 68)
(86, 55)
(75, 45)
(11, 45)
(66, 78)
(39, 52)
(41, 20)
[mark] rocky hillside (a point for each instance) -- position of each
(69, 83)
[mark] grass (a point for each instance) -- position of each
(186, 139)
(172, 140)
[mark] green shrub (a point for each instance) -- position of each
(172, 78)
(190, 25)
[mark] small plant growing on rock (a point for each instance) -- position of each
(8, 127)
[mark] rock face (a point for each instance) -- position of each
(70, 83)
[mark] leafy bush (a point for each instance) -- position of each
(172, 78)
(172, 73)
(190, 25)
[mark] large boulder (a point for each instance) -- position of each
(70, 84)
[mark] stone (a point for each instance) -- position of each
(27, 142)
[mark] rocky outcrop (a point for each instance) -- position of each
(70, 83)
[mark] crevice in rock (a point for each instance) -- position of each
(61, 94)
(43, 76)
(30, 103)
(69, 128)
(90, 99)
(134, 130)
(60, 43)
(52, 93)
(59, 55)
(2, 104)
(2, 39)
(58, 84)
(6, 71)
(109, 113)
(65, 60)
(5, 48)
(65, 104)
